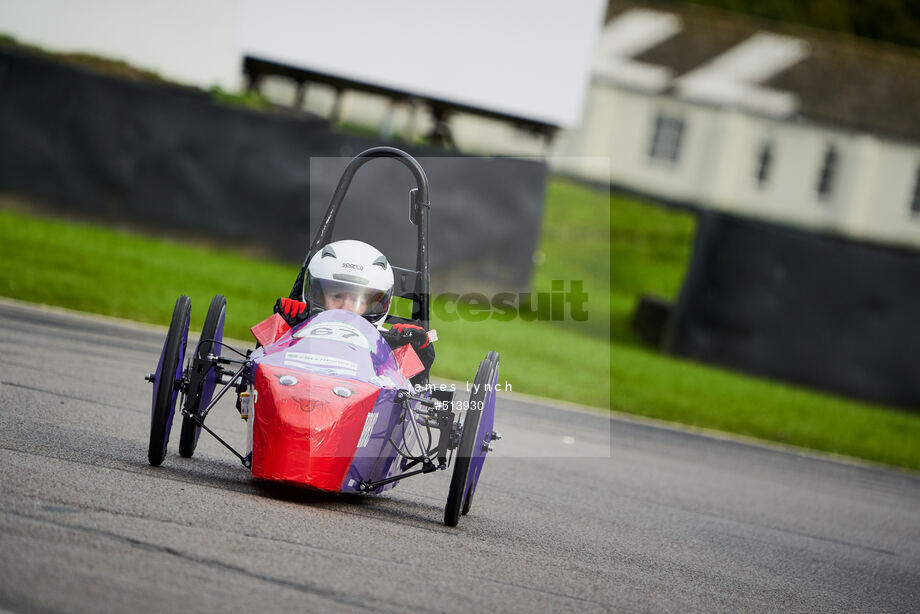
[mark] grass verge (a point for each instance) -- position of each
(100, 270)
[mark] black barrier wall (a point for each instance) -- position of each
(169, 159)
(807, 308)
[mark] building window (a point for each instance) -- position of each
(764, 163)
(828, 173)
(915, 201)
(666, 138)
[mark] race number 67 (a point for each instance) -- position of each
(336, 332)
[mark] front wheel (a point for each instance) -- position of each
(165, 388)
(471, 451)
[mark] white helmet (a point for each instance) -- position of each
(350, 275)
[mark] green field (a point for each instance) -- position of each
(646, 248)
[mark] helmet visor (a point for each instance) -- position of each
(331, 294)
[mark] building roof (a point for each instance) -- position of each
(833, 78)
(257, 68)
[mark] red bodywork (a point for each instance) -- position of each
(409, 362)
(306, 433)
(307, 426)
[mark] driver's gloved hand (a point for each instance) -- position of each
(410, 333)
(401, 334)
(293, 312)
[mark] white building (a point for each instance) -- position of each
(817, 131)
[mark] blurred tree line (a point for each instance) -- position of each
(893, 21)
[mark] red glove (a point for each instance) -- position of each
(416, 335)
(293, 312)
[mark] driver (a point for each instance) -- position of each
(355, 276)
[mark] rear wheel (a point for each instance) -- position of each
(460, 494)
(165, 389)
(211, 334)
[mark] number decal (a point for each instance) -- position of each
(334, 331)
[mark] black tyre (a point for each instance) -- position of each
(213, 329)
(468, 501)
(165, 390)
(459, 483)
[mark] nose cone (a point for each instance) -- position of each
(307, 426)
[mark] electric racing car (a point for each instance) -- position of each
(328, 404)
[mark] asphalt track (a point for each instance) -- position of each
(648, 519)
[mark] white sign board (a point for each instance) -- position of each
(518, 57)
(524, 58)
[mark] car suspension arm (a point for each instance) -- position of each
(246, 460)
(204, 412)
(427, 467)
(200, 416)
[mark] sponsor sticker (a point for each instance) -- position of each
(383, 381)
(324, 370)
(368, 429)
(319, 360)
